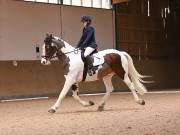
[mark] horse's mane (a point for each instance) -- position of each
(67, 45)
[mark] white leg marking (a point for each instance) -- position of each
(109, 89)
(131, 87)
(68, 83)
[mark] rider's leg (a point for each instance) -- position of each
(89, 61)
(88, 58)
(88, 51)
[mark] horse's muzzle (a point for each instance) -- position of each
(45, 62)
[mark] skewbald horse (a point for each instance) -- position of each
(115, 62)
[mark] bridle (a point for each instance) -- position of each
(75, 51)
(48, 57)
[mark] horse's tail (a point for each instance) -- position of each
(135, 76)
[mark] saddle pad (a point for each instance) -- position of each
(98, 59)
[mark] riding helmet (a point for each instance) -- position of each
(85, 18)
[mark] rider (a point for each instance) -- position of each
(87, 41)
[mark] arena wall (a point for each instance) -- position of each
(30, 78)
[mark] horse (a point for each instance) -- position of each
(111, 62)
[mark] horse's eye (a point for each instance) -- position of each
(48, 47)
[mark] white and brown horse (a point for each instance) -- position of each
(115, 62)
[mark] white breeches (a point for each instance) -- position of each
(88, 51)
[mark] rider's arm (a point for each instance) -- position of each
(80, 42)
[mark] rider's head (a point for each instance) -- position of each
(86, 20)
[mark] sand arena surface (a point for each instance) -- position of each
(122, 116)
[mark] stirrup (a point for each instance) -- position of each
(91, 71)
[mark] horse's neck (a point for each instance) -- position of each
(67, 47)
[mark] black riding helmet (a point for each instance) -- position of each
(86, 19)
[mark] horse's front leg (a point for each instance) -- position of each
(68, 83)
(75, 91)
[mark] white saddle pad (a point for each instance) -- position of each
(98, 59)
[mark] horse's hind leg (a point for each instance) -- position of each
(75, 91)
(109, 89)
(131, 87)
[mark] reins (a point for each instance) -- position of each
(76, 50)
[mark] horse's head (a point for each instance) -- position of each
(48, 50)
(51, 47)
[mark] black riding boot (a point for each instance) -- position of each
(89, 61)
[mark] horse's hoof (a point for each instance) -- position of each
(51, 111)
(91, 103)
(141, 102)
(100, 108)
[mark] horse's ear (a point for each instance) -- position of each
(47, 35)
(51, 36)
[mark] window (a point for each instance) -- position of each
(42, 1)
(67, 2)
(53, 1)
(85, 3)
(97, 3)
(106, 4)
(76, 2)
(45, 1)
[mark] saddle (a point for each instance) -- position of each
(97, 60)
(95, 56)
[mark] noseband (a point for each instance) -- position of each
(48, 57)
